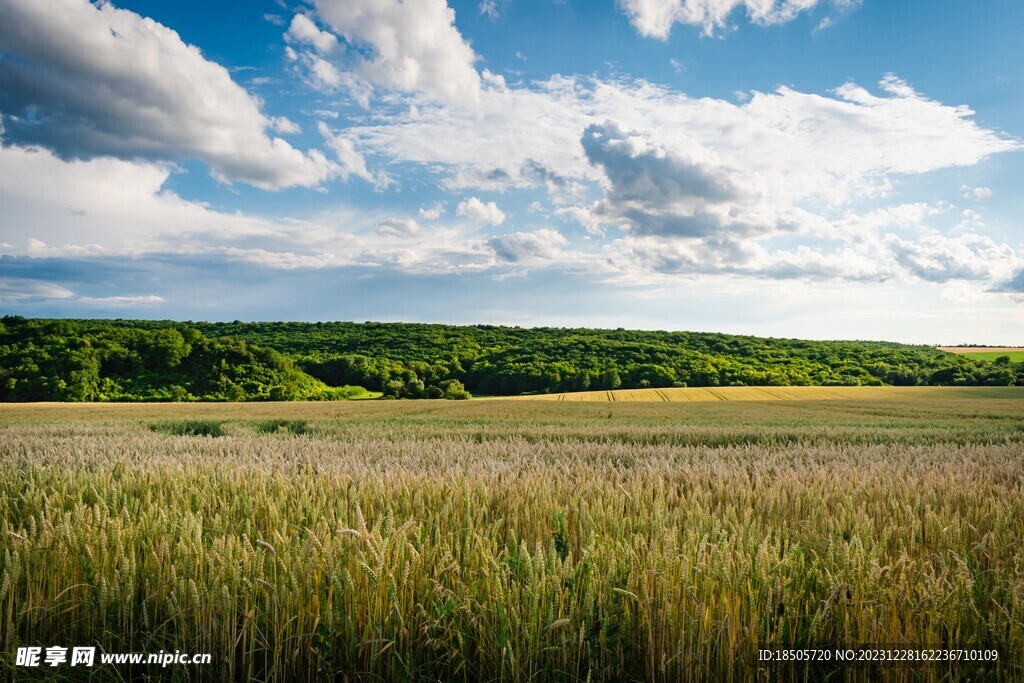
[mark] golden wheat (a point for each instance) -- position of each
(515, 541)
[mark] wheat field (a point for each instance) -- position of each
(788, 393)
(516, 540)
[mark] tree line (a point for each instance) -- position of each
(123, 360)
(499, 360)
(67, 360)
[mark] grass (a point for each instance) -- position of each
(516, 540)
(1015, 354)
(189, 427)
(367, 396)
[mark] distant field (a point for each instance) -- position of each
(1016, 354)
(701, 394)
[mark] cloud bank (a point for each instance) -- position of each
(91, 80)
(655, 18)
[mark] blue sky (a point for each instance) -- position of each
(799, 168)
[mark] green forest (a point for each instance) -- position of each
(99, 360)
(130, 360)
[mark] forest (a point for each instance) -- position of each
(130, 360)
(69, 360)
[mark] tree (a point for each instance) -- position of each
(454, 390)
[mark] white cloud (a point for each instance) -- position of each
(653, 190)
(302, 30)
(351, 161)
(1014, 285)
(490, 9)
(434, 212)
(123, 301)
(655, 18)
(102, 204)
(17, 290)
(703, 186)
(928, 257)
(109, 209)
(399, 227)
(316, 71)
(322, 113)
(701, 169)
(541, 124)
(786, 145)
(653, 258)
(407, 46)
(978, 194)
(106, 209)
(518, 247)
(107, 81)
(940, 258)
(477, 210)
(285, 126)
(808, 263)
(970, 221)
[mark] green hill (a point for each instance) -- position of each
(514, 360)
(87, 360)
(68, 360)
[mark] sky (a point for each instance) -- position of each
(818, 169)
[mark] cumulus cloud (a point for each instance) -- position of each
(978, 194)
(639, 168)
(399, 227)
(92, 80)
(861, 227)
(284, 125)
(104, 210)
(434, 212)
(100, 211)
(317, 71)
(702, 186)
(787, 145)
(928, 257)
(682, 192)
(477, 210)
(940, 258)
(1014, 285)
(655, 18)
(655, 191)
(809, 263)
(518, 247)
(351, 162)
(102, 204)
(541, 123)
(302, 30)
(412, 47)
